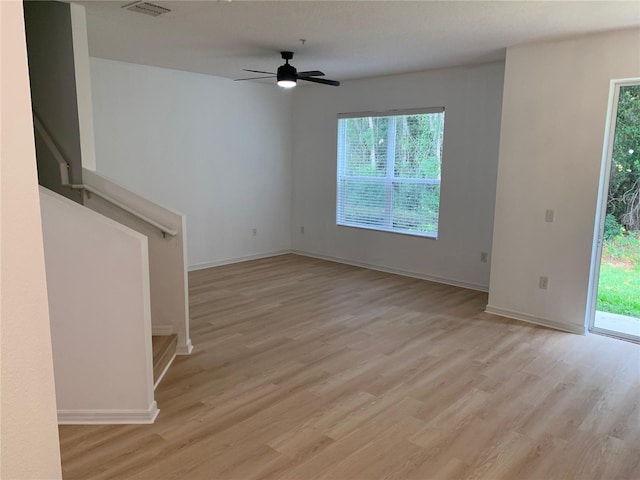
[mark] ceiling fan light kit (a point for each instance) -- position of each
(288, 76)
(287, 83)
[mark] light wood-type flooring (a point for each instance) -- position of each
(305, 369)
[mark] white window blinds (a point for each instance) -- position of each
(389, 170)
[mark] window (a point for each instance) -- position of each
(389, 171)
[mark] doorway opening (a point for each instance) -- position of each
(615, 281)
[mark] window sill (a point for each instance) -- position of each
(431, 236)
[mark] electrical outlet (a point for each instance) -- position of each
(302, 229)
(548, 216)
(544, 283)
(255, 232)
(484, 257)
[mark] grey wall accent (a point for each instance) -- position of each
(53, 89)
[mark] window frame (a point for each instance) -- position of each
(389, 180)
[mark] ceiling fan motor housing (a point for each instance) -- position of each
(287, 73)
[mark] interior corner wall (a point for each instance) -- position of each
(472, 100)
(28, 429)
(216, 150)
(553, 126)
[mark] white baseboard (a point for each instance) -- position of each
(108, 417)
(228, 261)
(166, 368)
(370, 266)
(161, 330)
(185, 349)
(396, 271)
(524, 317)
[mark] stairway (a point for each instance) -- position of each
(164, 351)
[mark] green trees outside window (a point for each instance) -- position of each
(619, 282)
(389, 172)
(623, 202)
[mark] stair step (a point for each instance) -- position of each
(164, 351)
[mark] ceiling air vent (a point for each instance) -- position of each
(147, 8)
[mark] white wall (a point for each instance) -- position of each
(99, 303)
(28, 430)
(471, 97)
(553, 121)
(167, 254)
(215, 150)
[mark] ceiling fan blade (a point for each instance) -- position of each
(258, 71)
(252, 78)
(312, 73)
(324, 81)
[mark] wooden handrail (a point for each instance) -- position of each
(89, 189)
(63, 165)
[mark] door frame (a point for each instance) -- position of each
(601, 208)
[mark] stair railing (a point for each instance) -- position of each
(64, 167)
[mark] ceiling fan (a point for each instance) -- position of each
(288, 76)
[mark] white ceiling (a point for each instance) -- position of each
(346, 40)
